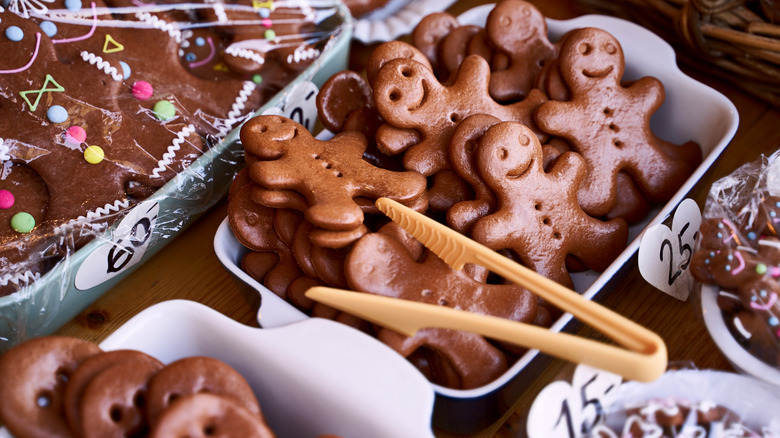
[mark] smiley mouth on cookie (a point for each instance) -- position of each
(424, 98)
(598, 73)
(518, 172)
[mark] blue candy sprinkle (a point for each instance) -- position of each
(752, 235)
(763, 293)
(73, 5)
(125, 69)
(264, 12)
(191, 57)
(14, 33)
(57, 114)
(773, 320)
(199, 41)
(49, 28)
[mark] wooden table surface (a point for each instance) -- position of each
(188, 268)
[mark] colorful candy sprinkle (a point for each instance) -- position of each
(94, 154)
(125, 70)
(14, 33)
(73, 5)
(22, 222)
(6, 199)
(142, 90)
(164, 110)
(257, 79)
(49, 28)
(266, 22)
(270, 34)
(200, 41)
(76, 134)
(57, 114)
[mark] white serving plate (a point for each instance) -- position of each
(313, 377)
(691, 111)
(396, 18)
(754, 401)
(740, 358)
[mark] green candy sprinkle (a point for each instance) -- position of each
(23, 222)
(164, 110)
(270, 34)
(257, 79)
(761, 268)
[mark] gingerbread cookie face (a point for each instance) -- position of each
(609, 124)
(33, 400)
(408, 96)
(329, 174)
(540, 208)
(518, 29)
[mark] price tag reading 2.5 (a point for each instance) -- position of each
(127, 246)
(665, 254)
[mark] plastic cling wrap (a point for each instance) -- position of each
(738, 258)
(117, 128)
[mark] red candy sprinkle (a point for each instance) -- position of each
(142, 90)
(77, 134)
(6, 199)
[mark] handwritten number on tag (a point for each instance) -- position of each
(684, 248)
(121, 253)
(565, 415)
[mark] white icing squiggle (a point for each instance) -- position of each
(245, 54)
(24, 7)
(302, 54)
(98, 62)
(163, 25)
(18, 279)
(170, 154)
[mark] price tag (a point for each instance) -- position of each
(664, 254)
(564, 410)
(299, 105)
(127, 246)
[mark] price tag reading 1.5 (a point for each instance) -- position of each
(563, 410)
(129, 241)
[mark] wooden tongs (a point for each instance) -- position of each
(644, 357)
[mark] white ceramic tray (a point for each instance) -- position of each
(312, 378)
(691, 111)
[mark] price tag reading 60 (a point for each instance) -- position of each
(126, 248)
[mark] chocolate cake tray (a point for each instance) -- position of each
(84, 274)
(691, 111)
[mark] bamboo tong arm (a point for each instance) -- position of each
(644, 357)
(407, 317)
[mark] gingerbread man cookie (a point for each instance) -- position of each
(537, 213)
(609, 124)
(519, 30)
(408, 96)
(329, 174)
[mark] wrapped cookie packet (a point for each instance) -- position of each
(737, 261)
(111, 105)
(690, 403)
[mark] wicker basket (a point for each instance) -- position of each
(740, 38)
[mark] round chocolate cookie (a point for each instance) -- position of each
(31, 403)
(209, 415)
(113, 403)
(192, 375)
(87, 371)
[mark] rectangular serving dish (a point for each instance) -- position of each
(691, 111)
(48, 303)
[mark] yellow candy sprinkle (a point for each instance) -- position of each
(94, 154)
